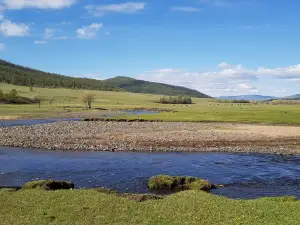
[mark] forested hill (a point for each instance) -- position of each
(20, 75)
(141, 86)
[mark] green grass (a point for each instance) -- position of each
(162, 182)
(189, 207)
(68, 100)
(277, 114)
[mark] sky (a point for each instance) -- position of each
(218, 47)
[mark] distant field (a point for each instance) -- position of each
(68, 100)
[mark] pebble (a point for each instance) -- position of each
(145, 136)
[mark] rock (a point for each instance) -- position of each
(105, 190)
(141, 197)
(49, 185)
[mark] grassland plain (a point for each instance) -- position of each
(187, 207)
(68, 102)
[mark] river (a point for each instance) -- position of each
(245, 176)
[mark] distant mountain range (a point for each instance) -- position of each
(293, 97)
(259, 97)
(19, 75)
(248, 97)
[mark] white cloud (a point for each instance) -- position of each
(2, 46)
(248, 88)
(49, 33)
(90, 31)
(168, 70)
(95, 76)
(40, 42)
(8, 28)
(41, 4)
(107, 33)
(288, 73)
(128, 7)
(229, 78)
(185, 9)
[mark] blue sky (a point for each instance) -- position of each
(219, 47)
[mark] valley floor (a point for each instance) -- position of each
(155, 136)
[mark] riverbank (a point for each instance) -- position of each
(188, 207)
(155, 136)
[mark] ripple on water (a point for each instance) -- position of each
(244, 175)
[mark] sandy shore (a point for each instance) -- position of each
(155, 136)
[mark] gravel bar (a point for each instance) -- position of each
(154, 137)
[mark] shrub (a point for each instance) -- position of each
(37, 99)
(1, 95)
(13, 98)
(176, 100)
(174, 182)
(13, 95)
(49, 185)
(88, 99)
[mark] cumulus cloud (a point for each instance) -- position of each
(291, 72)
(128, 7)
(41, 4)
(8, 28)
(229, 78)
(248, 88)
(185, 9)
(90, 31)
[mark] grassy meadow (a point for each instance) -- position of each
(187, 207)
(69, 100)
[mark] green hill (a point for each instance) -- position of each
(24, 76)
(141, 86)
(19, 75)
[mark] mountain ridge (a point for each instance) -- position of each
(20, 75)
(248, 97)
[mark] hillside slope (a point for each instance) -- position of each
(24, 76)
(19, 75)
(141, 86)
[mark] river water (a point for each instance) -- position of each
(244, 175)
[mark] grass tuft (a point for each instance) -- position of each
(162, 182)
(49, 185)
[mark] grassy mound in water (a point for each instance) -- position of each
(162, 182)
(64, 207)
(49, 185)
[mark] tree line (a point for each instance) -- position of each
(12, 97)
(176, 100)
